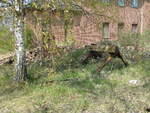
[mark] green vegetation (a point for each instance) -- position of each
(134, 46)
(69, 87)
(129, 39)
(29, 37)
(74, 90)
(6, 41)
(61, 84)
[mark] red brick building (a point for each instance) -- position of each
(122, 16)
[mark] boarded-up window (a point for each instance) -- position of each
(121, 3)
(106, 33)
(134, 28)
(134, 3)
(120, 28)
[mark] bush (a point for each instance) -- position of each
(145, 39)
(68, 60)
(6, 40)
(29, 37)
(7, 43)
(134, 46)
(129, 39)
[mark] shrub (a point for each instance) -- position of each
(134, 46)
(29, 37)
(6, 40)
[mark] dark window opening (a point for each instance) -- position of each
(134, 28)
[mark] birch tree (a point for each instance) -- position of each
(20, 65)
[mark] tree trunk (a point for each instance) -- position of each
(20, 66)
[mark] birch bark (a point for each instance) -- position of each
(20, 66)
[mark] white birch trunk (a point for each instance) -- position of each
(20, 65)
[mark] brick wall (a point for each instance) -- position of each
(146, 15)
(90, 30)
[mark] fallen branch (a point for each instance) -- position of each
(10, 58)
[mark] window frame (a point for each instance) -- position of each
(134, 28)
(103, 32)
(133, 5)
(120, 4)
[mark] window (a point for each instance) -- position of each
(134, 3)
(120, 28)
(121, 3)
(106, 33)
(134, 28)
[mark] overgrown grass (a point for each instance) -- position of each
(73, 90)
(70, 87)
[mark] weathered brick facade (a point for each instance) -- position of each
(88, 29)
